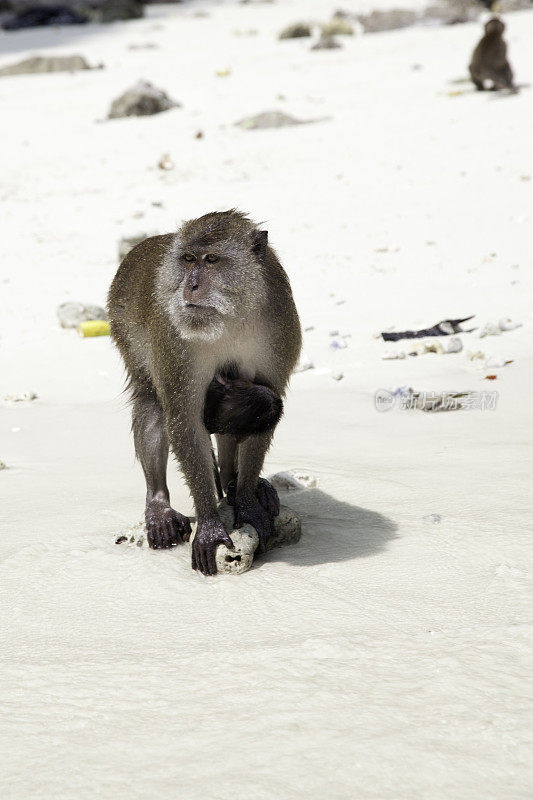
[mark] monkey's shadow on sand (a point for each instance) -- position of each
(332, 530)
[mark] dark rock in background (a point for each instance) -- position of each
(39, 64)
(141, 100)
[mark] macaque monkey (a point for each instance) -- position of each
(489, 59)
(188, 309)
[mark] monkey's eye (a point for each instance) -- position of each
(211, 258)
(189, 257)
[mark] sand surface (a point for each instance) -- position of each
(384, 657)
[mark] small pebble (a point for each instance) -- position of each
(336, 344)
(435, 519)
(165, 162)
(121, 539)
(337, 376)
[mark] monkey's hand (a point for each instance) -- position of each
(165, 527)
(209, 534)
(265, 493)
(247, 508)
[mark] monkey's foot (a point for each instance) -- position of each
(247, 508)
(209, 534)
(265, 493)
(165, 527)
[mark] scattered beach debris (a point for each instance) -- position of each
(223, 73)
(427, 347)
(337, 376)
(490, 329)
(496, 363)
(298, 30)
(434, 519)
(338, 344)
(3, 465)
(21, 397)
(270, 119)
(326, 42)
(141, 100)
(127, 243)
(40, 64)
(455, 345)
(444, 328)
(478, 355)
(94, 327)
(70, 315)
(506, 324)
(165, 162)
(337, 27)
(491, 377)
(304, 363)
(483, 361)
(293, 480)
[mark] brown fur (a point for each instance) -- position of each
(172, 350)
(489, 59)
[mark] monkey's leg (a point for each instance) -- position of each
(476, 80)
(164, 526)
(227, 452)
(256, 501)
(505, 78)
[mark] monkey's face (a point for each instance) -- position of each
(214, 280)
(494, 27)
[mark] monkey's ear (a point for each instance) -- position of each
(259, 244)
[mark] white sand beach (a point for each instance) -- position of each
(384, 657)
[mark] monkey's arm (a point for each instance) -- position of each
(191, 445)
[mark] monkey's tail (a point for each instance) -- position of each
(218, 482)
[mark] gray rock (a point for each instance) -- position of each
(39, 64)
(127, 243)
(326, 42)
(287, 530)
(3, 465)
(293, 480)
(141, 100)
(298, 30)
(114, 10)
(268, 119)
(70, 315)
(452, 12)
(390, 20)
